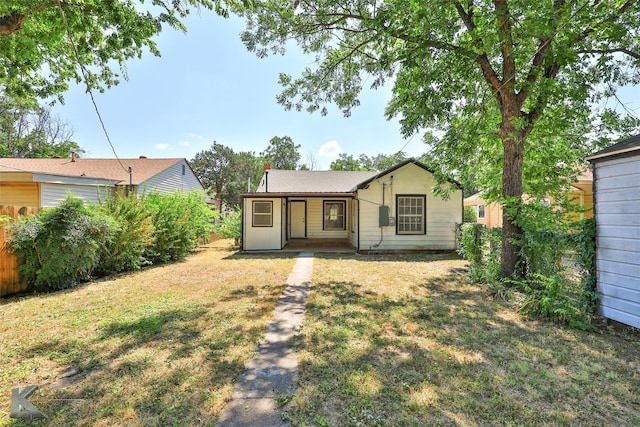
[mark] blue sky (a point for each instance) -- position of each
(206, 87)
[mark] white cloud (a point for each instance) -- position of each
(163, 146)
(196, 136)
(330, 149)
(184, 144)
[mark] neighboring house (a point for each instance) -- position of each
(46, 182)
(394, 210)
(616, 184)
(580, 194)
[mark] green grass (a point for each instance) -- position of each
(159, 347)
(402, 340)
(408, 341)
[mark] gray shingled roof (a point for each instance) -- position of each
(627, 145)
(296, 181)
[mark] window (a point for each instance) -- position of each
(262, 214)
(480, 211)
(410, 214)
(334, 218)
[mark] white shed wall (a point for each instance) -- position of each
(263, 238)
(617, 212)
(442, 215)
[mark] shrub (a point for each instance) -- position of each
(60, 246)
(133, 233)
(547, 297)
(481, 246)
(585, 247)
(230, 227)
(180, 221)
(469, 214)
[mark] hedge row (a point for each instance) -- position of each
(61, 246)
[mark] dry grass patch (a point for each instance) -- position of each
(159, 347)
(408, 341)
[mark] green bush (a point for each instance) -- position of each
(180, 221)
(133, 233)
(481, 246)
(229, 226)
(470, 214)
(548, 298)
(61, 246)
(585, 253)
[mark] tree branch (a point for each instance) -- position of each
(628, 52)
(506, 43)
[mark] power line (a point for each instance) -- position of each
(84, 73)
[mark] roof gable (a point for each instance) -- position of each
(325, 182)
(110, 169)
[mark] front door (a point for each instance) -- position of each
(298, 213)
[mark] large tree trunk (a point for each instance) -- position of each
(513, 144)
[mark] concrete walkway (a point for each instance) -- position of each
(273, 372)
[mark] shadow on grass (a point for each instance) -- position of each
(160, 368)
(453, 356)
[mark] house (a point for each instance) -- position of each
(46, 182)
(616, 188)
(579, 194)
(393, 210)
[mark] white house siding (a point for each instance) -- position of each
(263, 238)
(54, 189)
(353, 223)
(442, 215)
(315, 219)
(617, 211)
(172, 179)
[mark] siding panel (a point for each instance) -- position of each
(618, 238)
(172, 179)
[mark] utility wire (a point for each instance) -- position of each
(85, 73)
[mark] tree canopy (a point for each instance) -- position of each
(518, 88)
(282, 153)
(30, 130)
(379, 162)
(43, 41)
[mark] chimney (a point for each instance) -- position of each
(267, 166)
(73, 156)
(143, 157)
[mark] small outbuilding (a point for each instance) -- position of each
(393, 210)
(616, 189)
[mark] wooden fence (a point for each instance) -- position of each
(10, 282)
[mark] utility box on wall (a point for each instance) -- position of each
(383, 217)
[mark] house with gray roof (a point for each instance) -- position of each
(392, 210)
(616, 192)
(46, 182)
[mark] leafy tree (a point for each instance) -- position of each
(214, 168)
(38, 58)
(28, 130)
(379, 162)
(519, 81)
(227, 173)
(282, 153)
(345, 162)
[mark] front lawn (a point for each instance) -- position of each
(401, 340)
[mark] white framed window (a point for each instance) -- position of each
(262, 214)
(334, 215)
(410, 214)
(481, 211)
